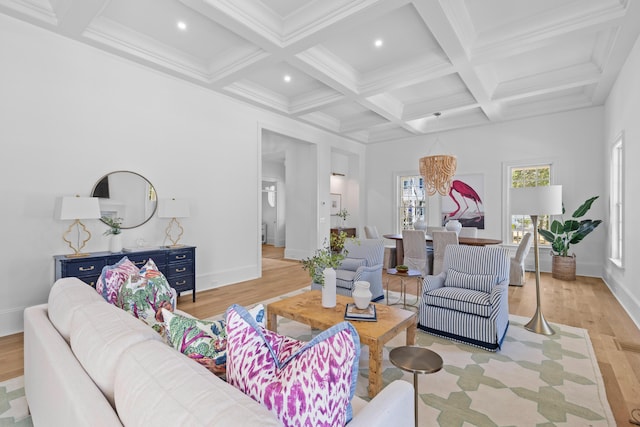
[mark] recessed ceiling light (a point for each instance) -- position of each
(378, 43)
(182, 25)
(287, 78)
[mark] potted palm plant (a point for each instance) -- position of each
(562, 234)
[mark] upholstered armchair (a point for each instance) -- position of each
(468, 301)
(363, 262)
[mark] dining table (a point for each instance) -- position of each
(471, 241)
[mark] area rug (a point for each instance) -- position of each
(13, 405)
(534, 380)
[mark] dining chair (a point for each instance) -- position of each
(371, 232)
(516, 267)
(415, 251)
(441, 239)
(468, 232)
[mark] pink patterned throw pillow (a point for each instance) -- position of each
(112, 278)
(302, 383)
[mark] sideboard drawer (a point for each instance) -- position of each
(185, 268)
(183, 283)
(181, 255)
(140, 259)
(82, 268)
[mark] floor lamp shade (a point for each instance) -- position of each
(535, 201)
(543, 200)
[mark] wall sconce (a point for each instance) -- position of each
(172, 208)
(77, 208)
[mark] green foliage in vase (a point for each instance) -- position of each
(115, 225)
(563, 234)
(330, 255)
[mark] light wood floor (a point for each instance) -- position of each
(586, 303)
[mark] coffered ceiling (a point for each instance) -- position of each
(473, 61)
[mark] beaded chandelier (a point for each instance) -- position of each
(438, 171)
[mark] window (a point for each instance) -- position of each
(616, 202)
(411, 203)
(527, 176)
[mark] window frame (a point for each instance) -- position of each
(507, 168)
(616, 201)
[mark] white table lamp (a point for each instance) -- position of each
(77, 208)
(535, 201)
(172, 208)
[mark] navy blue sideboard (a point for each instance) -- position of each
(178, 264)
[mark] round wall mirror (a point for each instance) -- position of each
(126, 195)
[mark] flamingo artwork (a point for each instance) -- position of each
(465, 192)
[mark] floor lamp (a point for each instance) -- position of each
(535, 201)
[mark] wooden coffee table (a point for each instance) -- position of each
(307, 308)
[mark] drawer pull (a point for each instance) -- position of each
(181, 256)
(181, 270)
(87, 269)
(184, 282)
(143, 262)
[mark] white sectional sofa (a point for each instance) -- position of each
(88, 363)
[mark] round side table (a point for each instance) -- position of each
(403, 287)
(417, 360)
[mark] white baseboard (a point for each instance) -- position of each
(11, 321)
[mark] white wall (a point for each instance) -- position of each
(70, 113)
(573, 140)
(621, 115)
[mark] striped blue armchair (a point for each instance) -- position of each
(363, 262)
(468, 301)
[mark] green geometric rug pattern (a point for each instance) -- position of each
(534, 380)
(13, 405)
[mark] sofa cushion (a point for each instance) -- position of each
(476, 282)
(100, 332)
(302, 383)
(145, 294)
(112, 277)
(157, 386)
(202, 340)
(65, 297)
(460, 299)
(352, 264)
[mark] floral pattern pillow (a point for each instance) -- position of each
(205, 341)
(112, 278)
(145, 293)
(302, 383)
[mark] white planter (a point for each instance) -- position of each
(115, 243)
(361, 294)
(329, 288)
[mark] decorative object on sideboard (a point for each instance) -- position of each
(343, 214)
(172, 208)
(563, 234)
(77, 208)
(535, 201)
(329, 288)
(115, 231)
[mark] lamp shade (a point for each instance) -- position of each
(172, 208)
(543, 200)
(77, 207)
